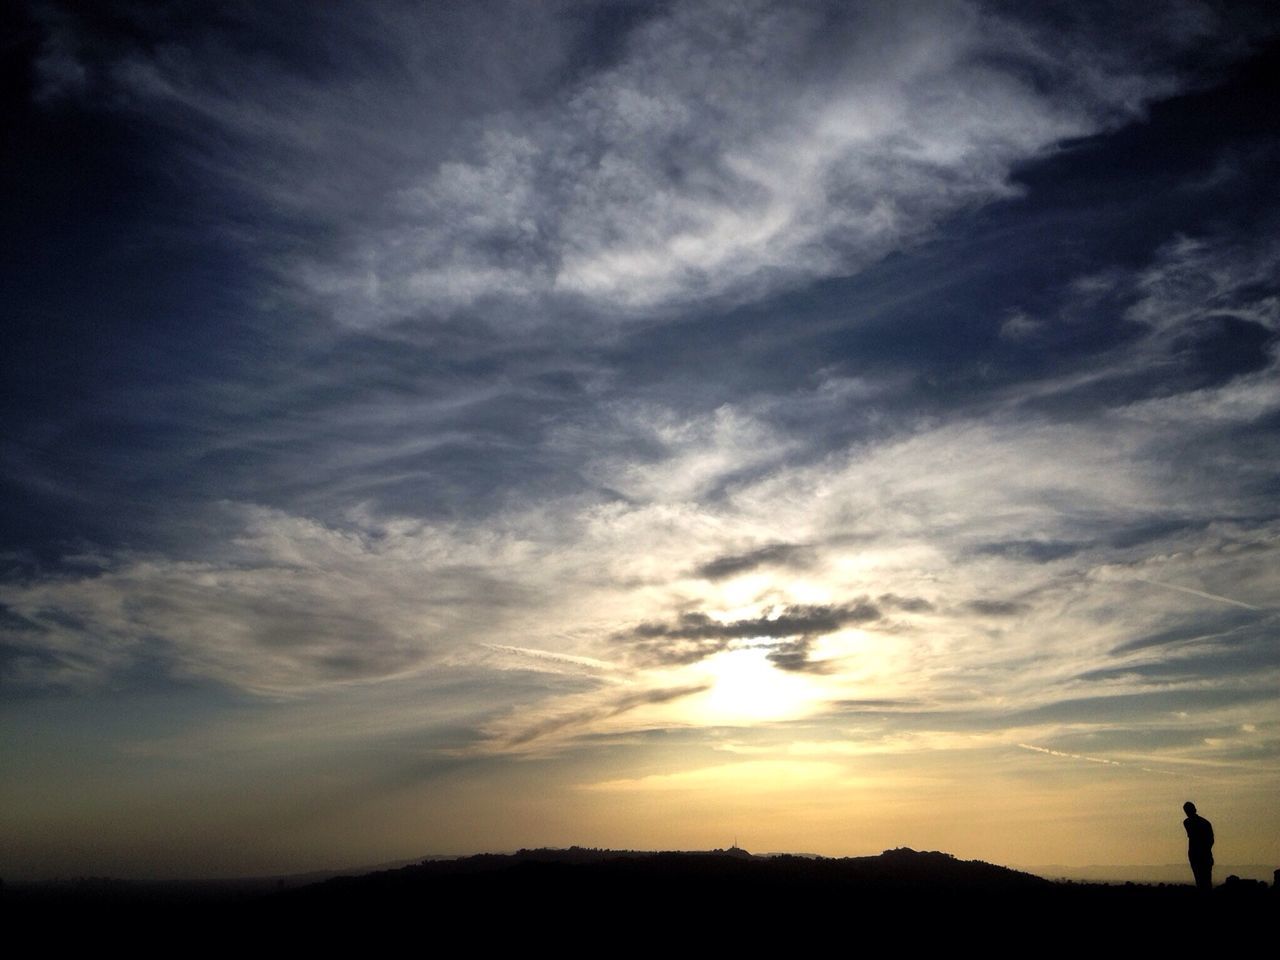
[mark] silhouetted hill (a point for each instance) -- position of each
(609, 898)
(592, 869)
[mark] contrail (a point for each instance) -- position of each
(1199, 593)
(535, 654)
(1070, 756)
(1109, 763)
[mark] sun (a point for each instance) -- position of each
(746, 687)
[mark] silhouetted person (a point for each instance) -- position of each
(1199, 846)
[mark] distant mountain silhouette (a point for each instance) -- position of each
(605, 899)
(893, 870)
(619, 888)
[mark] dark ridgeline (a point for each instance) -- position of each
(585, 899)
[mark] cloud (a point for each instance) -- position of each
(695, 636)
(730, 151)
(291, 606)
(430, 407)
(795, 656)
(1198, 628)
(59, 70)
(710, 152)
(1201, 593)
(1039, 551)
(1019, 326)
(776, 554)
(908, 604)
(577, 719)
(520, 491)
(1130, 708)
(1069, 756)
(523, 658)
(1205, 317)
(995, 608)
(767, 775)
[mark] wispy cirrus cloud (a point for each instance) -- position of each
(290, 603)
(719, 152)
(731, 151)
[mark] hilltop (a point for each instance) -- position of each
(716, 874)
(585, 896)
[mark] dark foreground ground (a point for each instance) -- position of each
(578, 901)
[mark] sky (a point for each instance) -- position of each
(436, 428)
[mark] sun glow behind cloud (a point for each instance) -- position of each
(746, 689)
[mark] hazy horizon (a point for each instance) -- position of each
(1150, 873)
(469, 427)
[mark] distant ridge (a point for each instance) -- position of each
(583, 899)
(591, 869)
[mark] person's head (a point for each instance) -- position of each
(1189, 808)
